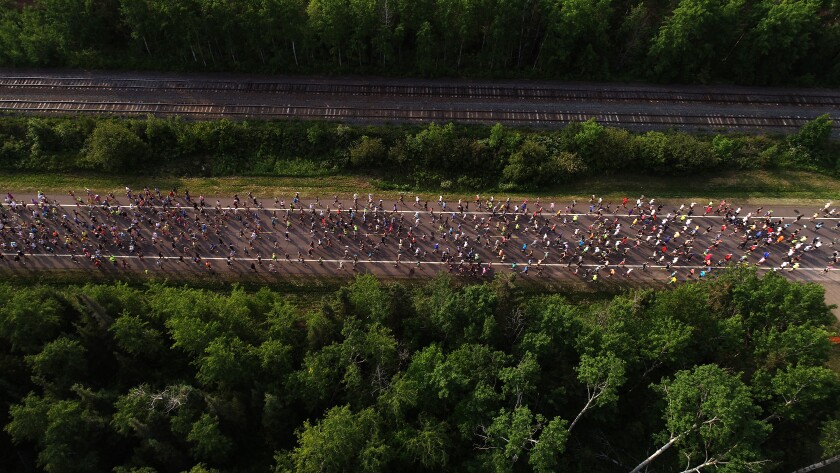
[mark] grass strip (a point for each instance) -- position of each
(766, 186)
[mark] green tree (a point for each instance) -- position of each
(113, 147)
(696, 39)
(514, 434)
(521, 381)
(208, 441)
(523, 168)
(11, 49)
(812, 140)
(797, 345)
(774, 301)
(135, 336)
(602, 375)
(711, 418)
(26, 326)
(60, 365)
(367, 297)
(466, 382)
(550, 445)
(797, 391)
(341, 441)
(63, 431)
(332, 21)
(227, 363)
(577, 39)
(426, 444)
(369, 152)
(433, 146)
(779, 40)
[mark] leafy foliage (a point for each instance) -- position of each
(761, 42)
(435, 155)
(113, 147)
(440, 376)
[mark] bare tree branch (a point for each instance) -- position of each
(819, 464)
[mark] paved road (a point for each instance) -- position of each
(636, 240)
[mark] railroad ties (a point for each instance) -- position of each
(468, 92)
(477, 103)
(386, 114)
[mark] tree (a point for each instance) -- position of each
(462, 316)
(135, 336)
(113, 147)
(523, 168)
(443, 376)
(62, 430)
(415, 387)
(813, 138)
(11, 49)
(227, 363)
(798, 344)
(774, 301)
(357, 368)
(28, 419)
(602, 375)
(665, 341)
(552, 326)
(332, 20)
(209, 443)
(367, 297)
(710, 417)
(514, 434)
(521, 380)
(777, 43)
(162, 137)
(368, 152)
(576, 40)
(696, 39)
(146, 414)
(60, 365)
(797, 391)
(27, 326)
(427, 443)
(341, 441)
(831, 447)
(200, 468)
(433, 146)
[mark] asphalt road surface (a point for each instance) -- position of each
(639, 240)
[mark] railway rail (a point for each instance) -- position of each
(385, 114)
(476, 92)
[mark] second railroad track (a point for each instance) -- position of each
(518, 92)
(388, 114)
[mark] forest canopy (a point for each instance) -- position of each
(696, 41)
(728, 372)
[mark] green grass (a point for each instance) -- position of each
(773, 186)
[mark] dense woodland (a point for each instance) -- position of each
(726, 374)
(402, 157)
(748, 42)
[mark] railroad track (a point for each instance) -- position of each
(387, 114)
(477, 92)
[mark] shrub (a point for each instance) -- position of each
(113, 147)
(368, 152)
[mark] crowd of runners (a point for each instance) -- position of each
(149, 229)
